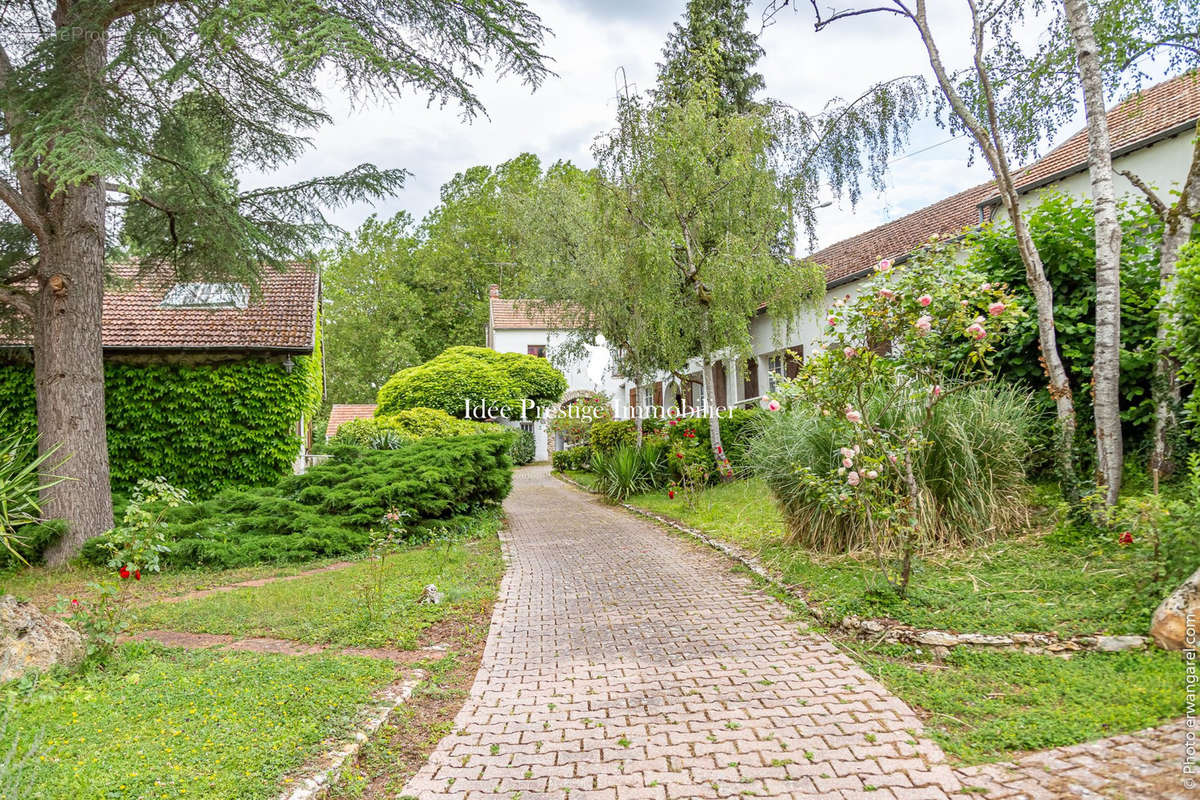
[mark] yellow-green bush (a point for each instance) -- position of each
(412, 423)
(477, 375)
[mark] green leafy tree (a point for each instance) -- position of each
(92, 95)
(377, 300)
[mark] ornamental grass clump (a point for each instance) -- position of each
(893, 438)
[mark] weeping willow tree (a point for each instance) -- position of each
(156, 105)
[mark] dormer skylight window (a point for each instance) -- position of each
(207, 295)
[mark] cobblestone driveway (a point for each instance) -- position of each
(626, 663)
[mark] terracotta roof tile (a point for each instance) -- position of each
(1150, 113)
(526, 315)
(342, 413)
(281, 317)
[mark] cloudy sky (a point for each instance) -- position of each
(592, 41)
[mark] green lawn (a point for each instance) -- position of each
(44, 586)
(983, 706)
(1029, 582)
(329, 608)
(169, 723)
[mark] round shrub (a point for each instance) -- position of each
(573, 458)
(475, 375)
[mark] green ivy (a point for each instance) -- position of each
(203, 427)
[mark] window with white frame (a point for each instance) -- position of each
(776, 370)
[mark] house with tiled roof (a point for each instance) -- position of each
(1152, 135)
(219, 333)
(538, 329)
(341, 413)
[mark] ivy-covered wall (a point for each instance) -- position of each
(201, 426)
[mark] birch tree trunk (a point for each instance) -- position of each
(714, 419)
(1178, 222)
(988, 138)
(1106, 359)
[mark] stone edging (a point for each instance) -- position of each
(316, 785)
(890, 631)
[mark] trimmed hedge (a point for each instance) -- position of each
(203, 428)
(477, 375)
(331, 509)
(573, 458)
(412, 423)
(737, 427)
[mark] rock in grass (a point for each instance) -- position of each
(1169, 627)
(431, 595)
(30, 640)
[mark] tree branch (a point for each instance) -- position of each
(1156, 203)
(21, 206)
(17, 299)
(821, 23)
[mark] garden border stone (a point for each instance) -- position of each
(317, 784)
(890, 631)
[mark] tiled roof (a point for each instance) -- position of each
(1153, 112)
(527, 315)
(282, 316)
(343, 413)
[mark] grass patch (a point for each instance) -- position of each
(43, 586)
(1030, 583)
(982, 706)
(170, 723)
(328, 608)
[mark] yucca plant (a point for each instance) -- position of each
(622, 473)
(20, 484)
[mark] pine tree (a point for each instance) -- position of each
(93, 98)
(716, 27)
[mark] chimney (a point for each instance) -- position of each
(494, 290)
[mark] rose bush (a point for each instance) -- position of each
(892, 437)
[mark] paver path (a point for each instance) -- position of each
(626, 663)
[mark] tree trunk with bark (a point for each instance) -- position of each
(714, 419)
(1106, 359)
(69, 367)
(1178, 222)
(987, 136)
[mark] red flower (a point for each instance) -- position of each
(720, 449)
(679, 455)
(671, 494)
(1125, 538)
(672, 422)
(137, 574)
(124, 573)
(74, 602)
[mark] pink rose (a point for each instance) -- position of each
(887, 294)
(976, 331)
(832, 321)
(996, 309)
(987, 287)
(925, 300)
(937, 391)
(847, 452)
(872, 474)
(924, 324)
(849, 352)
(852, 478)
(773, 405)
(853, 416)
(847, 463)
(885, 265)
